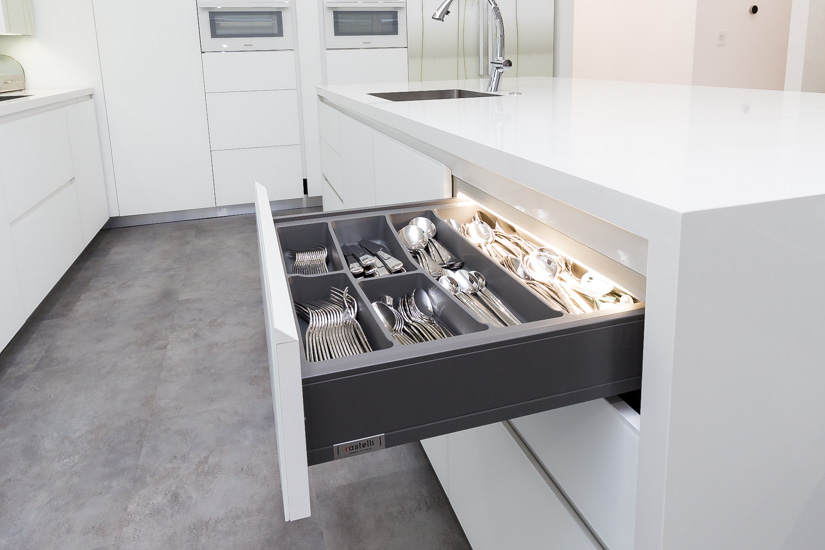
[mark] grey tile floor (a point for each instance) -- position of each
(135, 412)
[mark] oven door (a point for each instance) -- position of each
(248, 25)
(330, 406)
(357, 25)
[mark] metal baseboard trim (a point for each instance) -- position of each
(282, 207)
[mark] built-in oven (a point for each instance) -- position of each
(367, 24)
(245, 25)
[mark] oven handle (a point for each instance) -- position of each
(243, 4)
(391, 4)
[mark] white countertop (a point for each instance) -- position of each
(40, 98)
(617, 149)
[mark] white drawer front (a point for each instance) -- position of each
(438, 452)
(329, 121)
(276, 168)
(239, 120)
(372, 65)
(332, 168)
(502, 501)
(332, 200)
(405, 175)
(592, 452)
(47, 239)
(36, 159)
(12, 314)
(249, 71)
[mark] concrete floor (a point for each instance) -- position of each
(135, 412)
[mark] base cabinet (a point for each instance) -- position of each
(53, 203)
(501, 499)
(367, 168)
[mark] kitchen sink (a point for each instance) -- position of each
(8, 97)
(425, 95)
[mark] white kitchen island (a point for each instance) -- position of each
(717, 198)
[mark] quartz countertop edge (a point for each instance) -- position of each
(40, 98)
(630, 153)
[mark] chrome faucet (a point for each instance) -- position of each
(497, 65)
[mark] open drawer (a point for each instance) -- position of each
(395, 394)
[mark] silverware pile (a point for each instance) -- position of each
(333, 330)
(547, 272)
(371, 259)
(309, 262)
(410, 318)
(470, 287)
(419, 238)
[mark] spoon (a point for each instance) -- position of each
(455, 225)
(452, 286)
(430, 230)
(416, 240)
(469, 286)
(506, 315)
(542, 266)
(464, 291)
(515, 265)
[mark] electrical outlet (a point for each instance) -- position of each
(721, 37)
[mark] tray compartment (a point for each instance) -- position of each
(447, 310)
(308, 289)
(304, 237)
(517, 297)
(373, 228)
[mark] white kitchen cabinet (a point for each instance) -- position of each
(592, 452)
(237, 170)
(88, 168)
(47, 239)
(367, 168)
(438, 451)
(253, 119)
(501, 499)
(249, 71)
(369, 65)
(357, 164)
(52, 200)
(37, 159)
(150, 60)
(403, 174)
(332, 200)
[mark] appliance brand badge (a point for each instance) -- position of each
(358, 447)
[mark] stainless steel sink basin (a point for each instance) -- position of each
(430, 94)
(8, 97)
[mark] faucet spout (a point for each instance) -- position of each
(499, 63)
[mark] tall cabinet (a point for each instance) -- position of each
(153, 81)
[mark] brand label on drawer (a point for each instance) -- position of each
(359, 446)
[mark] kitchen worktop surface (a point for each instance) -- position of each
(621, 149)
(40, 98)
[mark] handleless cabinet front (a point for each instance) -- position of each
(239, 120)
(334, 408)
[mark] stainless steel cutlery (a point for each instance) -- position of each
(333, 330)
(310, 262)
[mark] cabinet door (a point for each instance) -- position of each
(371, 65)
(501, 499)
(438, 452)
(47, 240)
(249, 71)
(150, 59)
(405, 175)
(358, 170)
(88, 168)
(278, 169)
(253, 119)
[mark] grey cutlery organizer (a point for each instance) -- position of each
(482, 375)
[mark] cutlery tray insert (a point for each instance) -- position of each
(482, 375)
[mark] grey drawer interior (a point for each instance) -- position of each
(481, 375)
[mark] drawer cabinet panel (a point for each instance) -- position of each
(239, 120)
(37, 159)
(249, 71)
(278, 169)
(47, 239)
(396, 394)
(329, 120)
(502, 501)
(592, 452)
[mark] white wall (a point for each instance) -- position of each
(643, 41)
(754, 51)
(63, 53)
